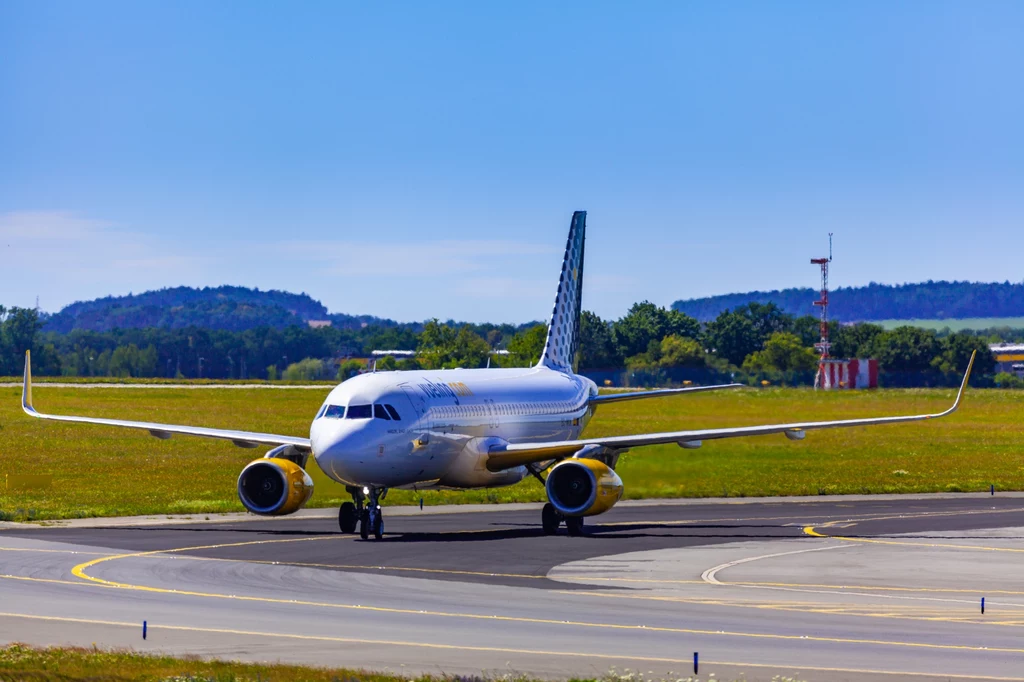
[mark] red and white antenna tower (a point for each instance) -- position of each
(823, 345)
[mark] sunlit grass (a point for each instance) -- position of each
(99, 471)
(20, 662)
(63, 664)
(955, 325)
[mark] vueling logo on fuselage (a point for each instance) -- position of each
(452, 390)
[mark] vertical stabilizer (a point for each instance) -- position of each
(564, 329)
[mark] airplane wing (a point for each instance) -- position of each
(636, 395)
(243, 439)
(518, 454)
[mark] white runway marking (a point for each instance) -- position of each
(708, 576)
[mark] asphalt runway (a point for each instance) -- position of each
(848, 589)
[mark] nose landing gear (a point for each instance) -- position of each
(369, 518)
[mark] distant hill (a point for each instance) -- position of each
(928, 300)
(228, 308)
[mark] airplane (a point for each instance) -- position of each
(464, 429)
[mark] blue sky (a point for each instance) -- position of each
(413, 160)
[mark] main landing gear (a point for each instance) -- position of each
(363, 511)
(551, 519)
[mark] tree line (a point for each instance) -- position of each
(921, 301)
(753, 342)
(759, 342)
(259, 353)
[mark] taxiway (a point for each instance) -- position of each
(851, 588)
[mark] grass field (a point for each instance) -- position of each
(19, 662)
(65, 664)
(957, 325)
(149, 381)
(101, 471)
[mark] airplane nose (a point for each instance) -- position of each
(323, 434)
(336, 447)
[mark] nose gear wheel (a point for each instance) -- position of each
(371, 517)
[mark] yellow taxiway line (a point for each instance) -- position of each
(80, 572)
(810, 530)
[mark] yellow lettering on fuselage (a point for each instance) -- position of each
(460, 388)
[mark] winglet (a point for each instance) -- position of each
(960, 393)
(26, 389)
(963, 385)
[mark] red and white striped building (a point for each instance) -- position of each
(836, 374)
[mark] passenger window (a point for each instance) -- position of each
(393, 412)
(380, 413)
(360, 412)
(335, 412)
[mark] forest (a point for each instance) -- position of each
(924, 301)
(649, 345)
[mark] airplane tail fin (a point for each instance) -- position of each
(563, 339)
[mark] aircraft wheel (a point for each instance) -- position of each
(550, 519)
(348, 518)
(574, 524)
(378, 525)
(364, 524)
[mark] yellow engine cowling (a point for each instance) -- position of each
(274, 487)
(583, 487)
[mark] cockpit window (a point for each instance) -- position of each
(323, 408)
(393, 412)
(380, 413)
(335, 412)
(360, 412)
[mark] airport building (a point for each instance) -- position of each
(1009, 357)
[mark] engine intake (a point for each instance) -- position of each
(583, 487)
(274, 487)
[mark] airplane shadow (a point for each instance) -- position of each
(213, 529)
(594, 532)
(693, 532)
(591, 532)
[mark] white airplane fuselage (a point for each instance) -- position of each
(448, 419)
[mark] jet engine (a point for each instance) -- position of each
(583, 487)
(273, 486)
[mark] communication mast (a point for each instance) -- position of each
(823, 345)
